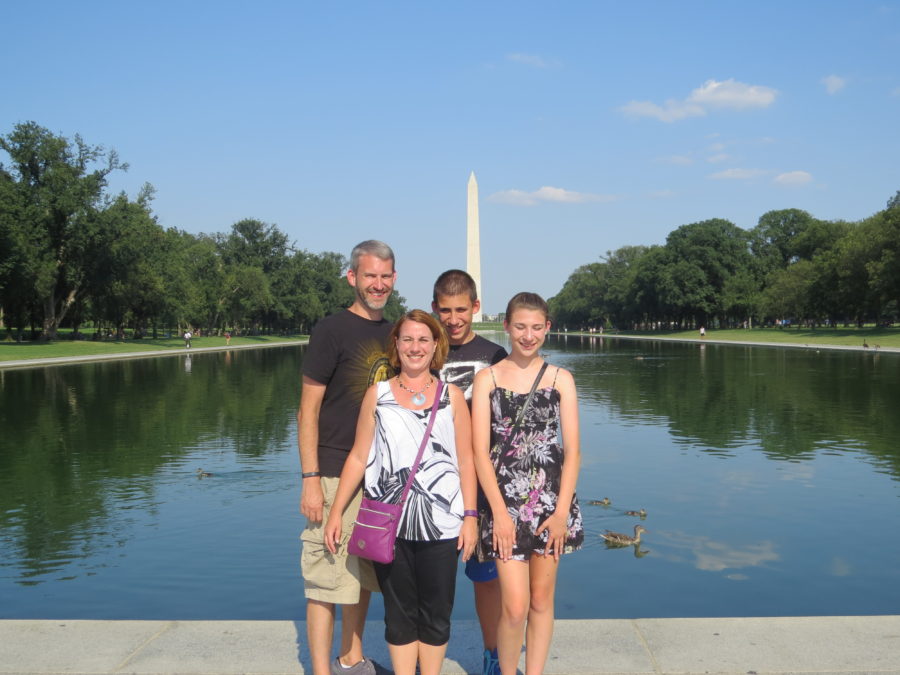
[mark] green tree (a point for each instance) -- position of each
(650, 284)
(701, 258)
(126, 279)
(884, 267)
(773, 241)
(789, 293)
(255, 255)
(893, 202)
(579, 303)
(57, 193)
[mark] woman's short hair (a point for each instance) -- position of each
(442, 344)
(526, 300)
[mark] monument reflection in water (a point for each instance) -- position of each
(769, 477)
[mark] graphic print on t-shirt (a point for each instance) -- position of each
(368, 365)
(462, 374)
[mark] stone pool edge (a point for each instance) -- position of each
(840, 644)
(68, 360)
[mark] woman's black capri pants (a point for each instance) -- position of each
(418, 590)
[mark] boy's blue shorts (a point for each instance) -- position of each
(481, 571)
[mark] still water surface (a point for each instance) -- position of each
(769, 476)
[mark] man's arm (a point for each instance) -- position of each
(312, 498)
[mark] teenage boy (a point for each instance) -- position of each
(455, 300)
(346, 354)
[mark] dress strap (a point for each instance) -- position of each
(491, 368)
(555, 375)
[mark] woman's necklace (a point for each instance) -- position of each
(418, 396)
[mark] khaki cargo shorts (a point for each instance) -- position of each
(336, 577)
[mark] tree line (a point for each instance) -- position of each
(790, 268)
(71, 253)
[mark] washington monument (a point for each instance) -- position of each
(473, 241)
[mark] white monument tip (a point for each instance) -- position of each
(473, 239)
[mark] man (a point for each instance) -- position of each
(455, 301)
(345, 356)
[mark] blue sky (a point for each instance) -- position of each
(589, 125)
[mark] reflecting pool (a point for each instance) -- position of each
(769, 477)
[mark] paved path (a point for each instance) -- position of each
(66, 360)
(746, 343)
(756, 646)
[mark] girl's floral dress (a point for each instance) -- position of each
(528, 464)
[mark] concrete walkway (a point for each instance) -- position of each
(67, 360)
(745, 343)
(869, 644)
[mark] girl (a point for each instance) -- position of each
(528, 479)
(439, 516)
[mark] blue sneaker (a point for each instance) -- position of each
(491, 664)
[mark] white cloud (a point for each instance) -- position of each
(530, 60)
(733, 94)
(737, 174)
(729, 94)
(714, 556)
(834, 83)
(711, 555)
(547, 194)
(794, 178)
(672, 111)
(678, 160)
(715, 159)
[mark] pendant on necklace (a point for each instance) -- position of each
(418, 399)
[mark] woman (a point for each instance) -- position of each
(438, 517)
(528, 479)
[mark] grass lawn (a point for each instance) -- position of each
(13, 351)
(849, 337)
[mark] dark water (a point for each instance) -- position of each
(770, 479)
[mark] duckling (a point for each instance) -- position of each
(640, 514)
(618, 539)
(203, 474)
(600, 502)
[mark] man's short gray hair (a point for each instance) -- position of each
(370, 247)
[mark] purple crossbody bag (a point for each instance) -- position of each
(375, 529)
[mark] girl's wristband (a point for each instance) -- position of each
(470, 513)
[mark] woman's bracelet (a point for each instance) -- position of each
(310, 474)
(470, 513)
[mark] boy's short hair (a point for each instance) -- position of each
(455, 282)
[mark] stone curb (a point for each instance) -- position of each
(865, 644)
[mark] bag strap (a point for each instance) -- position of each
(415, 467)
(530, 396)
